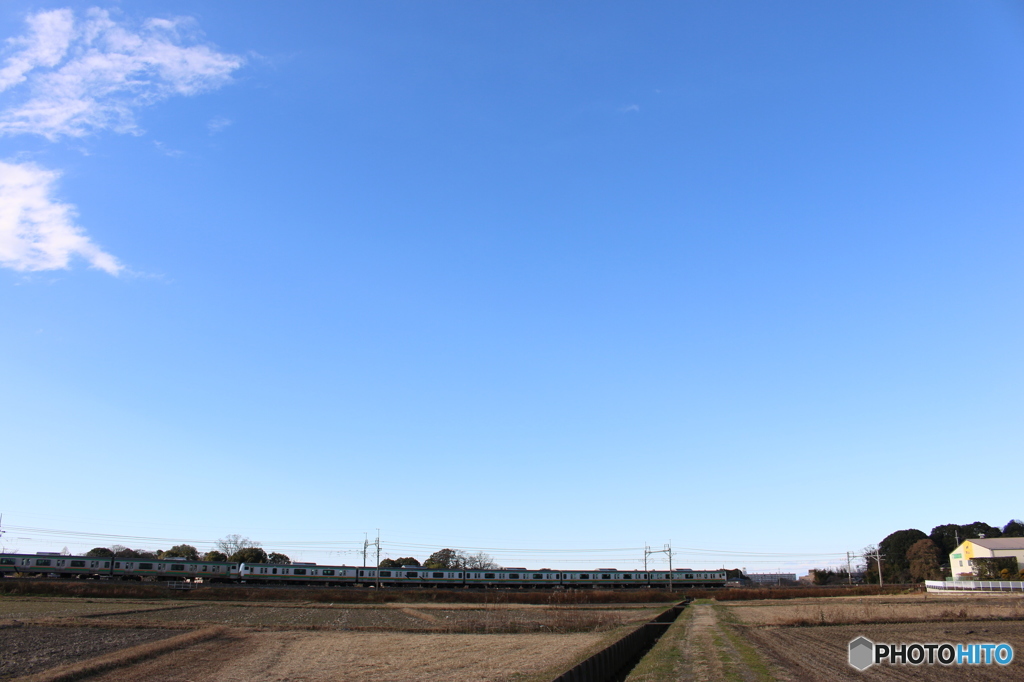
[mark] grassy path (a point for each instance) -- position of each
(704, 646)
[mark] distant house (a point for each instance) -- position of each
(772, 578)
(984, 548)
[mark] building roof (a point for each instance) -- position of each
(998, 543)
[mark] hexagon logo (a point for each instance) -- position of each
(862, 653)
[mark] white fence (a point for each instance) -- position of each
(974, 585)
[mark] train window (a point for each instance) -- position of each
(328, 572)
(145, 567)
(513, 576)
(605, 576)
(584, 576)
(488, 576)
(7, 562)
(626, 576)
(204, 569)
(274, 571)
(538, 576)
(117, 564)
(43, 562)
(385, 574)
(460, 575)
(177, 567)
(689, 576)
(645, 576)
(411, 574)
(299, 571)
(439, 575)
(362, 573)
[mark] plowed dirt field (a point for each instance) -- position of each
(270, 642)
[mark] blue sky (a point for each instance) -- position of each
(513, 276)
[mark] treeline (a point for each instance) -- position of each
(234, 548)
(912, 556)
(446, 558)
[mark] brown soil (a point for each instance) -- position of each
(820, 653)
(28, 649)
(356, 657)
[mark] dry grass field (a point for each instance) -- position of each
(317, 656)
(50, 639)
(807, 639)
(878, 609)
(791, 639)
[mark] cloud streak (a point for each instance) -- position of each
(71, 77)
(38, 232)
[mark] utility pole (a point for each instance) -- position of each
(667, 550)
(366, 545)
(849, 568)
(669, 546)
(878, 562)
(376, 572)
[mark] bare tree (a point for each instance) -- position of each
(231, 544)
(478, 561)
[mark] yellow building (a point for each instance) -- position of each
(985, 548)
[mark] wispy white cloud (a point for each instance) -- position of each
(50, 34)
(167, 151)
(73, 76)
(38, 232)
(630, 108)
(216, 125)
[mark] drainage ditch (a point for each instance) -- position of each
(616, 661)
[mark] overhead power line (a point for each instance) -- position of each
(541, 553)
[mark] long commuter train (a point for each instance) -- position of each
(186, 570)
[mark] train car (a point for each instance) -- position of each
(306, 574)
(58, 565)
(692, 578)
(174, 569)
(123, 568)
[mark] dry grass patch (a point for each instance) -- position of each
(124, 657)
(916, 608)
(480, 620)
(27, 608)
(355, 657)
